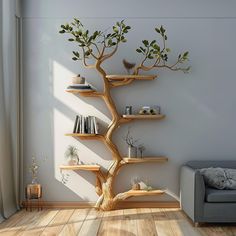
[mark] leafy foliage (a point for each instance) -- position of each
(94, 44)
(102, 45)
(153, 50)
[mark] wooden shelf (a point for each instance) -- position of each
(85, 136)
(80, 167)
(132, 193)
(84, 93)
(143, 117)
(136, 77)
(145, 159)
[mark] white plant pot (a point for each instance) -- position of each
(132, 151)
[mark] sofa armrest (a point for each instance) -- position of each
(192, 193)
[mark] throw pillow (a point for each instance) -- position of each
(220, 178)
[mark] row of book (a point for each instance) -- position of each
(85, 125)
(81, 87)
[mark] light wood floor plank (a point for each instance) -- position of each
(127, 222)
(13, 226)
(75, 223)
(58, 222)
(91, 224)
(182, 225)
(38, 226)
(145, 223)
(161, 222)
(111, 223)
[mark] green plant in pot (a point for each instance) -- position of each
(72, 155)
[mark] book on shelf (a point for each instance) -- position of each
(85, 125)
(82, 87)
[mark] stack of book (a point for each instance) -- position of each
(81, 87)
(85, 125)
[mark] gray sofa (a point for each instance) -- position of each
(204, 204)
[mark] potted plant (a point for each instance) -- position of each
(33, 169)
(132, 148)
(72, 154)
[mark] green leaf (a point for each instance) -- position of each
(115, 29)
(157, 30)
(138, 50)
(70, 39)
(153, 42)
(144, 50)
(145, 42)
(63, 27)
(155, 46)
(185, 54)
(124, 40)
(150, 57)
(165, 37)
(74, 58)
(168, 49)
(62, 31)
(162, 30)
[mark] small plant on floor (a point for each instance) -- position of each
(33, 169)
(72, 154)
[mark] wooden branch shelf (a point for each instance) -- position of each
(85, 93)
(136, 77)
(85, 136)
(132, 193)
(80, 167)
(143, 117)
(145, 159)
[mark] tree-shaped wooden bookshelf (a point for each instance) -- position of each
(90, 49)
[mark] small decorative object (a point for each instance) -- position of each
(157, 109)
(72, 154)
(33, 192)
(132, 148)
(78, 80)
(128, 110)
(145, 110)
(128, 66)
(141, 149)
(145, 186)
(34, 170)
(135, 184)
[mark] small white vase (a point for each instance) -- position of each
(132, 151)
(72, 162)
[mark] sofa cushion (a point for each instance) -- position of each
(220, 178)
(220, 195)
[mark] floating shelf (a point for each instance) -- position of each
(80, 167)
(91, 93)
(136, 77)
(85, 136)
(145, 159)
(143, 117)
(133, 193)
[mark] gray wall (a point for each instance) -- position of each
(200, 106)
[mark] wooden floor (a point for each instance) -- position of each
(90, 222)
